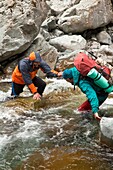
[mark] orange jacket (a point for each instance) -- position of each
(17, 76)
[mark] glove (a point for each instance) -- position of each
(54, 73)
(37, 96)
(96, 116)
(51, 75)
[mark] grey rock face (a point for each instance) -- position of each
(60, 5)
(86, 15)
(20, 22)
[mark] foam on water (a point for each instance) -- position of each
(8, 114)
(17, 127)
(6, 80)
(4, 95)
(4, 140)
(30, 129)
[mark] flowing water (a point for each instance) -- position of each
(54, 138)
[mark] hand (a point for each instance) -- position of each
(60, 74)
(37, 96)
(96, 116)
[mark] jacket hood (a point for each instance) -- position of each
(72, 73)
(67, 74)
(35, 57)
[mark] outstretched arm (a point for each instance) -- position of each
(47, 70)
(92, 97)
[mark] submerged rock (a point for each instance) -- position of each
(53, 99)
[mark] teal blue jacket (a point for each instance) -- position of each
(96, 95)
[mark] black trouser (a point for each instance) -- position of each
(37, 81)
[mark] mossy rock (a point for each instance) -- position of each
(53, 99)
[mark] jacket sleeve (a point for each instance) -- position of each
(47, 70)
(87, 89)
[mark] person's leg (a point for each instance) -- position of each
(85, 106)
(38, 82)
(16, 89)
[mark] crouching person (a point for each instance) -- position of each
(96, 95)
(25, 74)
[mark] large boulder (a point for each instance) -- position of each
(20, 23)
(68, 42)
(86, 15)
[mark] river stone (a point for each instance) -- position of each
(104, 38)
(70, 42)
(106, 128)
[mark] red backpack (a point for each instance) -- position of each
(85, 63)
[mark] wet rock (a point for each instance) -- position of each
(106, 135)
(52, 99)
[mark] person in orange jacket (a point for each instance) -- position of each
(25, 74)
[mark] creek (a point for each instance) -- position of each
(57, 137)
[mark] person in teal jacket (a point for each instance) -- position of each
(96, 95)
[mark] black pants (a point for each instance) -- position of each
(37, 81)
